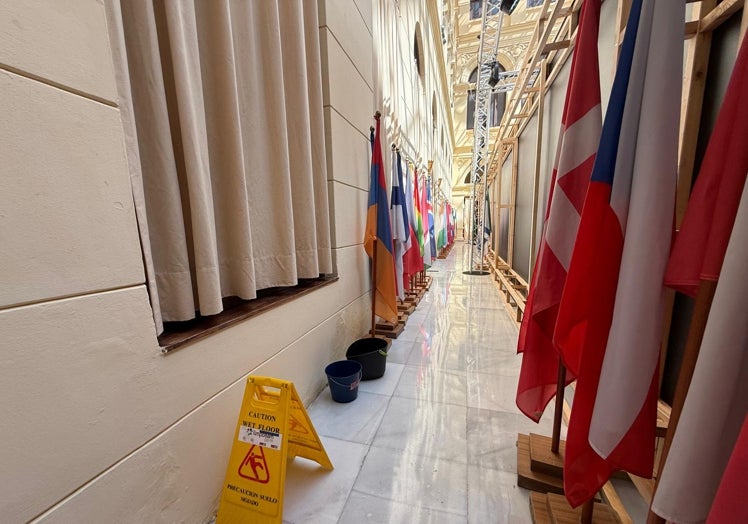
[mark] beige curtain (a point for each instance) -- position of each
(227, 104)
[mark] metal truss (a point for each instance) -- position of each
(487, 56)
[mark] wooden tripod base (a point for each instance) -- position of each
(543, 459)
(550, 508)
(530, 478)
(388, 330)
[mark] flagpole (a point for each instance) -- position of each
(377, 115)
(558, 408)
(587, 509)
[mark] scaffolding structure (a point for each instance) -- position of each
(487, 52)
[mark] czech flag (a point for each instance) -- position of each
(378, 236)
(611, 310)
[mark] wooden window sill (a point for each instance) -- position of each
(179, 334)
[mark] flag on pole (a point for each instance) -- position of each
(441, 235)
(413, 263)
(399, 220)
(701, 243)
(430, 211)
(717, 398)
(575, 155)
(612, 305)
(454, 223)
(486, 220)
(424, 224)
(729, 503)
(378, 236)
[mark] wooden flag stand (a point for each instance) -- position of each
(272, 428)
(540, 468)
(540, 460)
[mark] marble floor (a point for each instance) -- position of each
(433, 440)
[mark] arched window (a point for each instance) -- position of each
(433, 112)
(498, 101)
(417, 51)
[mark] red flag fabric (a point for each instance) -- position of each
(729, 504)
(700, 246)
(575, 156)
(378, 236)
(610, 316)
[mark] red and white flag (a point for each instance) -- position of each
(717, 400)
(575, 155)
(610, 316)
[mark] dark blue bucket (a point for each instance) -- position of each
(343, 377)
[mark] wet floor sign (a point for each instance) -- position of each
(273, 427)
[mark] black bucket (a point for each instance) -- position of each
(371, 353)
(343, 377)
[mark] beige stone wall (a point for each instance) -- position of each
(99, 425)
(410, 102)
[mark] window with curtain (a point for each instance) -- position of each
(496, 108)
(222, 107)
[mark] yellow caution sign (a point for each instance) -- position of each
(273, 426)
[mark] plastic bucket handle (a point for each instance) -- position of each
(382, 352)
(353, 385)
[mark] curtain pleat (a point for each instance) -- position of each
(317, 136)
(227, 104)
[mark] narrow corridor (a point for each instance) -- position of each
(433, 440)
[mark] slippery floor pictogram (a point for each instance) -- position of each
(254, 466)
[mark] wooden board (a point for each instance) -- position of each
(645, 487)
(663, 418)
(562, 513)
(542, 459)
(406, 307)
(539, 508)
(611, 498)
(389, 331)
(529, 479)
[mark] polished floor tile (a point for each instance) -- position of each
(434, 439)
(414, 479)
(491, 391)
(493, 496)
(355, 421)
(316, 495)
(423, 427)
(442, 386)
(363, 508)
